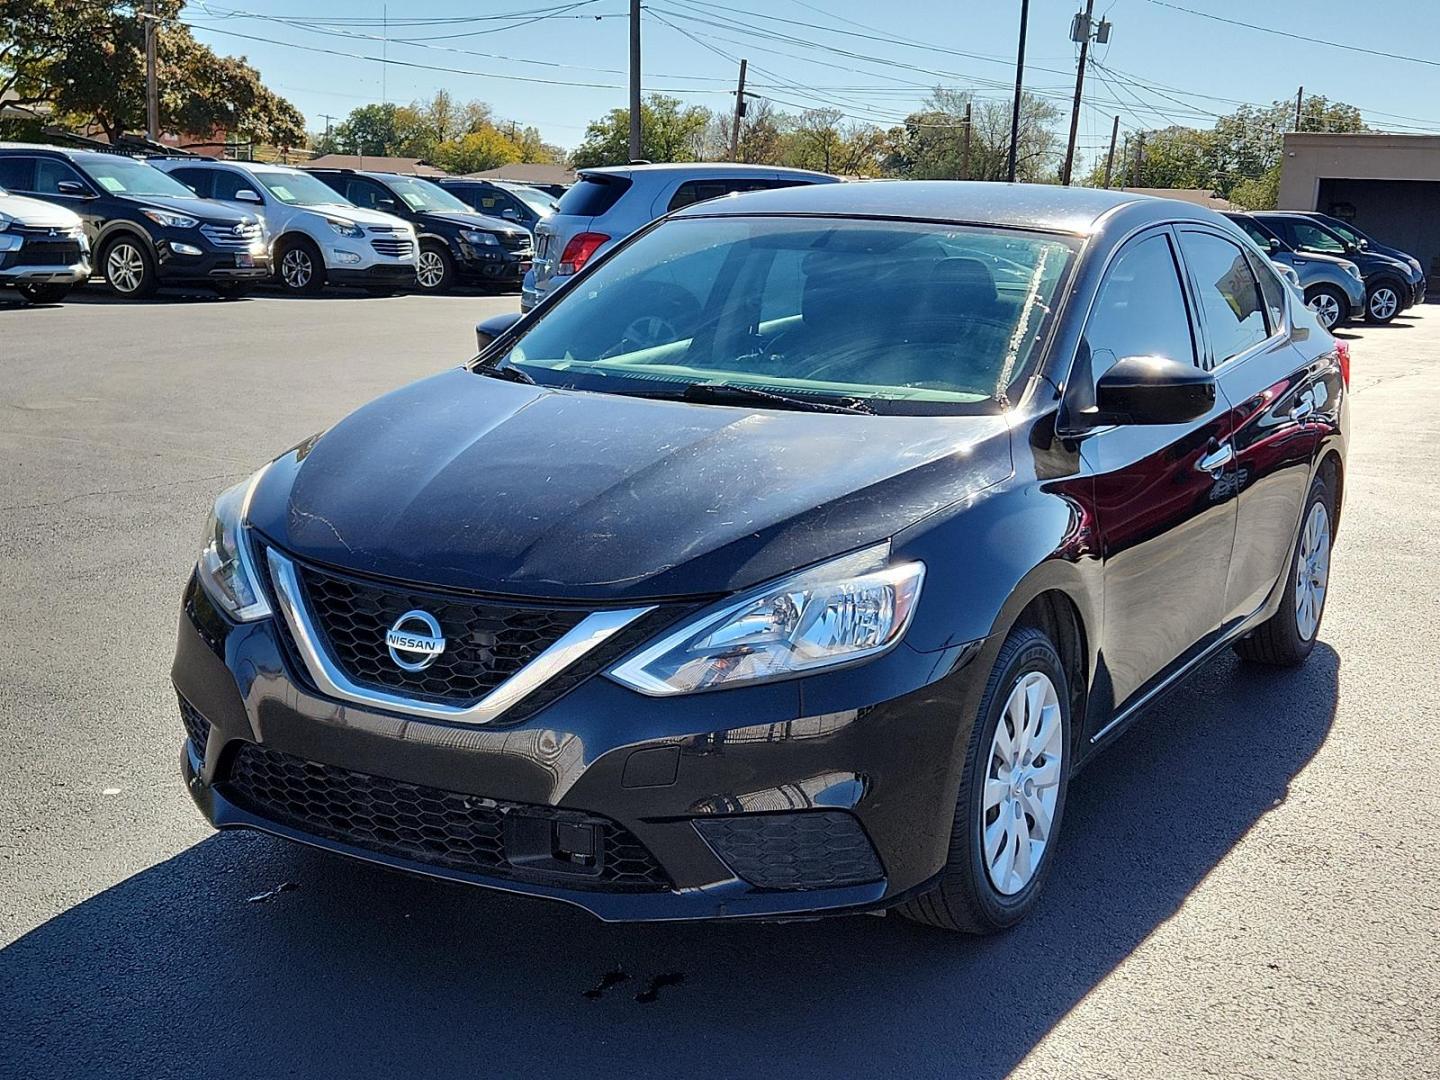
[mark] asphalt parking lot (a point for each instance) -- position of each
(1248, 884)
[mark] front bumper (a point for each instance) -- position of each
(396, 274)
(210, 265)
(41, 274)
(493, 265)
(783, 775)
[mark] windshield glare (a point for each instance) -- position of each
(422, 196)
(300, 189)
(904, 316)
(122, 176)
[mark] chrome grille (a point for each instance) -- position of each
(232, 238)
(396, 249)
(515, 241)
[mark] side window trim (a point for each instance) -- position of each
(1207, 360)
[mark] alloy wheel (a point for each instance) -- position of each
(1312, 571)
(1384, 302)
(125, 268)
(1022, 783)
(431, 272)
(296, 268)
(1327, 308)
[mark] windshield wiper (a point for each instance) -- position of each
(726, 394)
(509, 374)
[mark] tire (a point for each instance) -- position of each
(1383, 301)
(1286, 638)
(299, 267)
(966, 897)
(36, 293)
(129, 270)
(1331, 306)
(436, 272)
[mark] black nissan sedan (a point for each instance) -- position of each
(791, 559)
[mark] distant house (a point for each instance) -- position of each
(375, 163)
(553, 178)
(1196, 196)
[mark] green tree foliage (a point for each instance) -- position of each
(87, 61)
(931, 143)
(670, 131)
(1261, 193)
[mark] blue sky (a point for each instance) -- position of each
(1164, 65)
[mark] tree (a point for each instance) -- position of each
(668, 132)
(476, 151)
(1249, 142)
(930, 145)
(384, 131)
(1174, 157)
(1258, 194)
(87, 61)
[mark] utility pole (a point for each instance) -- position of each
(1019, 85)
(1139, 160)
(965, 146)
(634, 80)
(739, 112)
(1299, 98)
(1110, 157)
(328, 119)
(152, 91)
(1079, 28)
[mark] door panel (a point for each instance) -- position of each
(1166, 524)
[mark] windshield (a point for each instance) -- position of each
(300, 189)
(123, 176)
(538, 201)
(422, 196)
(901, 316)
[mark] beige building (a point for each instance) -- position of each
(1387, 185)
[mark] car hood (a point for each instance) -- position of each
(41, 215)
(204, 209)
(475, 221)
(476, 483)
(359, 215)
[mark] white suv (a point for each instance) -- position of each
(43, 249)
(607, 205)
(316, 235)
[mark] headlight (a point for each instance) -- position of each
(1353, 270)
(171, 221)
(480, 239)
(9, 242)
(849, 609)
(346, 228)
(225, 568)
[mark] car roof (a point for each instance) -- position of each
(701, 169)
(1037, 206)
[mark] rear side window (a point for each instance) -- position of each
(1228, 292)
(693, 191)
(17, 173)
(1140, 308)
(593, 195)
(197, 180)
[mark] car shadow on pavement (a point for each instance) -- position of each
(246, 957)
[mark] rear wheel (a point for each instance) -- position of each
(1330, 305)
(300, 268)
(1286, 638)
(1012, 795)
(129, 270)
(1382, 303)
(43, 293)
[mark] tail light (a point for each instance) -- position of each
(578, 251)
(1342, 353)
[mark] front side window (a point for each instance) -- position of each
(902, 316)
(125, 176)
(1256, 232)
(1140, 308)
(197, 180)
(1314, 238)
(1228, 292)
(229, 183)
(50, 173)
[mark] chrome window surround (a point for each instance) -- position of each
(590, 632)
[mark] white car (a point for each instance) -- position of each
(43, 249)
(316, 235)
(606, 205)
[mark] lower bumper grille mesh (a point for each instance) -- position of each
(424, 824)
(197, 728)
(805, 850)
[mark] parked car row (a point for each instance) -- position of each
(1342, 273)
(231, 225)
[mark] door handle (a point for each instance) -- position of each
(1301, 411)
(1215, 461)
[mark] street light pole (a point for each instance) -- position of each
(634, 80)
(1019, 86)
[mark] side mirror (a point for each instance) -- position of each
(1274, 244)
(389, 206)
(1364, 245)
(489, 330)
(1152, 390)
(246, 195)
(510, 214)
(72, 187)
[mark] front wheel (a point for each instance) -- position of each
(1286, 638)
(1012, 795)
(436, 271)
(43, 294)
(1382, 303)
(129, 270)
(300, 268)
(1330, 306)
